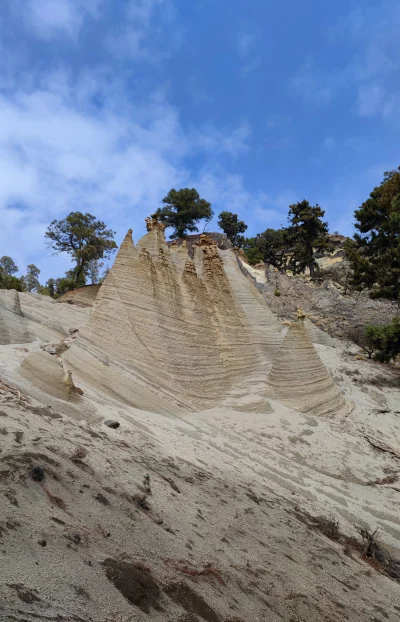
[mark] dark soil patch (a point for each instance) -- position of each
(183, 595)
(18, 436)
(10, 494)
(24, 594)
(135, 584)
(80, 591)
(44, 411)
(101, 499)
(30, 457)
(58, 520)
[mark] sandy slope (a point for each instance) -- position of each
(224, 535)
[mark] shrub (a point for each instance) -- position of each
(385, 340)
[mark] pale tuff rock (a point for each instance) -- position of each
(300, 380)
(152, 222)
(187, 330)
(70, 383)
(176, 335)
(242, 492)
(317, 335)
(179, 253)
(47, 374)
(13, 328)
(300, 314)
(190, 267)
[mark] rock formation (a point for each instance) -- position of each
(177, 334)
(188, 331)
(46, 372)
(299, 378)
(13, 328)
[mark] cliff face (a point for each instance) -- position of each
(176, 324)
(182, 324)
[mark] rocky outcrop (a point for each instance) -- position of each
(178, 333)
(325, 302)
(13, 328)
(47, 373)
(172, 328)
(299, 378)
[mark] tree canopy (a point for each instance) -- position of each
(183, 210)
(291, 247)
(385, 340)
(272, 247)
(307, 232)
(8, 281)
(31, 278)
(374, 254)
(8, 265)
(85, 238)
(233, 228)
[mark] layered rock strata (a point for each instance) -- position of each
(299, 378)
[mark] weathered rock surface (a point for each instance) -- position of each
(299, 378)
(217, 496)
(189, 331)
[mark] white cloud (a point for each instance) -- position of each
(234, 143)
(59, 153)
(142, 33)
(311, 84)
(48, 19)
(259, 210)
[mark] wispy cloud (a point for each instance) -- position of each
(311, 84)
(59, 152)
(48, 19)
(370, 32)
(142, 31)
(247, 44)
(260, 210)
(233, 143)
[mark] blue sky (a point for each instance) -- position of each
(105, 105)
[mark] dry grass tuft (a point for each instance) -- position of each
(140, 498)
(54, 500)
(378, 556)
(389, 479)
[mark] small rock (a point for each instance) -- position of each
(37, 474)
(51, 348)
(110, 423)
(42, 542)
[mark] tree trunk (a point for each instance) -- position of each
(78, 272)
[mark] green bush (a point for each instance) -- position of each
(8, 281)
(385, 340)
